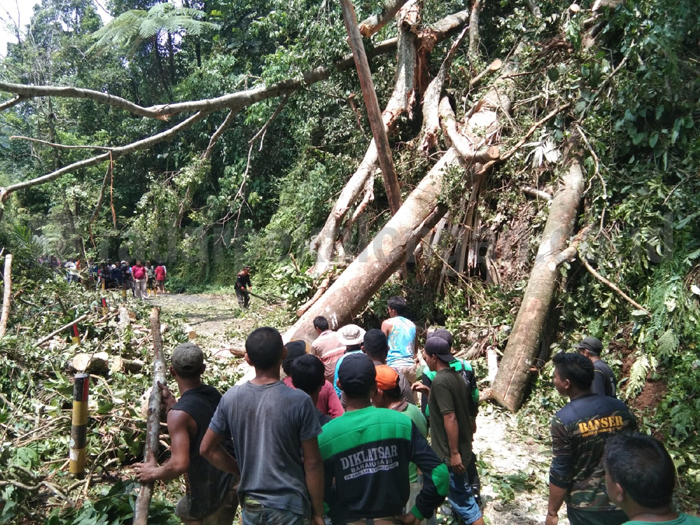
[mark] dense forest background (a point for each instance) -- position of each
(621, 77)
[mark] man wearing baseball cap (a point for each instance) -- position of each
(604, 382)
(366, 453)
(450, 426)
(210, 491)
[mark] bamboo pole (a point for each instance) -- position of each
(143, 501)
(7, 295)
(386, 163)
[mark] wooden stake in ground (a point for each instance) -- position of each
(7, 295)
(143, 501)
(386, 163)
(523, 343)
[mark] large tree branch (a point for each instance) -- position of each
(375, 23)
(464, 146)
(115, 153)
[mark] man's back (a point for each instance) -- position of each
(242, 280)
(268, 424)
(448, 394)
(604, 382)
(328, 349)
(579, 431)
(401, 341)
(367, 453)
(207, 484)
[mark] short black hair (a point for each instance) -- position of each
(264, 348)
(643, 467)
(375, 344)
(394, 393)
(308, 373)
(321, 323)
(398, 304)
(576, 368)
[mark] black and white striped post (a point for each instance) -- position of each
(78, 431)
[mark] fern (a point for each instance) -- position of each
(667, 344)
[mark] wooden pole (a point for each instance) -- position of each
(7, 295)
(143, 501)
(386, 163)
(78, 431)
(72, 323)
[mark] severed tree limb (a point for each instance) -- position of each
(113, 154)
(493, 67)
(375, 23)
(143, 501)
(265, 127)
(219, 131)
(368, 197)
(538, 194)
(7, 294)
(462, 144)
(386, 162)
(569, 253)
(12, 102)
(431, 100)
(474, 29)
(60, 146)
(603, 280)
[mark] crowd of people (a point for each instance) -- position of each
(330, 432)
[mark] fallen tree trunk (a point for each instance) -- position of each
(382, 257)
(523, 343)
(7, 294)
(143, 501)
(386, 162)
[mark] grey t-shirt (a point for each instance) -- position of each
(268, 424)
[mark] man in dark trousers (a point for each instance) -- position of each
(579, 432)
(210, 496)
(451, 429)
(366, 454)
(604, 382)
(243, 287)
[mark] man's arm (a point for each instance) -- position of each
(452, 430)
(561, 471)
(598, 386)
(556, 500)
(387, 326)
(436, 478)
(313, 468)
(212, 449)
(179, 462)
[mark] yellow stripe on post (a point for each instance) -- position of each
(78, 431)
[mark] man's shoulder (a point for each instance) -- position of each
(376, 424)
(590, 406)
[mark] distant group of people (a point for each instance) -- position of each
(70, 266)
(139, 278)
(340, 439)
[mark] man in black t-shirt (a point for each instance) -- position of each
(243, 286)
(604, 382)
(210, 491)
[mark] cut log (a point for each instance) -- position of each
(7, 294)
(143, 501)
(386, 162)
(131, 366)
(523, 343)
(382, 257)
(91, 363)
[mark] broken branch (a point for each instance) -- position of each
(603, 280)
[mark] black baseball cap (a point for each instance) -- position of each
(357, 374)
(437, 346)
(187, 358)
(442, 333)
(591, 344)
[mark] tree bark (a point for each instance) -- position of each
(523, 343)
(474, 30)
(143, 501)
(386, 162)
(382, 257)
(7, 294)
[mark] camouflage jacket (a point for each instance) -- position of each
(579, 431)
